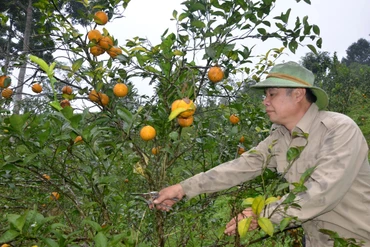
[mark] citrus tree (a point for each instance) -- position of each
(73, 174)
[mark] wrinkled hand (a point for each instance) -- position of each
(231, 226)
(168, 197)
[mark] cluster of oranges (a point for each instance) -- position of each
(4, 85)
(102, 43)
(185, 118)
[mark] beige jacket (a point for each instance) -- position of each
(338, 192)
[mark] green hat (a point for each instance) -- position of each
(293, 75)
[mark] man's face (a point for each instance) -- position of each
(281, 106)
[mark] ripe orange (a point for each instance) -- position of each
(5, 245)
(215, 74)
(184, 103)
(234, 119)
(106, 42)
(147, 133)
(78, 139)
(54, 196)
(2, 81)
(241, 150)
(65, 103)
(94, 35)
(94, 96)
(114, 51)
(45, 176)
(242, 139)
(37, 88)
(7, 93)
(120, 90)
(104, 99)
(96, 50)
(155, 150)
(185, 122)
(100, 18)
(67, 90)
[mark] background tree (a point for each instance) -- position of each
(358, 52)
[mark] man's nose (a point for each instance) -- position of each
(266, 101)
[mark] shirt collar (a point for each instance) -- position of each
(305, 123)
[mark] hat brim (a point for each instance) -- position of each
(322, 98)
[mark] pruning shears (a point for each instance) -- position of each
(149, 197)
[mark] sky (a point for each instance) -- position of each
(341, 23)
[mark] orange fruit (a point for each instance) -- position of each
(147, 133)
(2, 81)
(67, 90)
(234, 119)
(7, 93)
(54, 196)
(94, 35)
(114, 51)
(104, 99)
(106, 42)
(96, 50)
(94, 96)
(184, 103)
(45, 176)
(155, 150)
(37, 88)
(120, 90)
(65, 103)
(185, 122)
(78, 139)
(100, 18)
(215, 74)
(241, 150)
(5, 245)
(242, 139)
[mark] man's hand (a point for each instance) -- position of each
(231, 226)
(168, 197)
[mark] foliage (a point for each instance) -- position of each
(97, 176)
(358, 52)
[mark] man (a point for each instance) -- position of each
(338, 191)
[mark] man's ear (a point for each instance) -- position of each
(299, 93)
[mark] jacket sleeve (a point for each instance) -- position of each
(229, 174)
(341, 155)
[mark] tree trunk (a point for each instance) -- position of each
(26, 49)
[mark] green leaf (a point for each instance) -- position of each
(306, 175)
(50, 243)
(93, 224)
(174, 135)
(56, 105)
(100, 240)
(266, 225)
(197, 23)
(258, 204)
(316, 29)
(176, 112)
(292, 154)
(77, 64)
(243, 227)
(284, 223)
(40, 62)
(248, 201)
(271, 200)
(17, 121)
(7, 82)
(125, 114)
(8, 236)
(312, 48)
